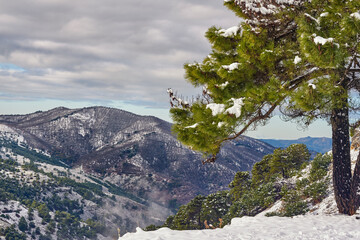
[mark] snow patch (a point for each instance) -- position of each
(220, 124)
(297, 60)
(231, 67)
(8, 133)
(222, 86)
(312, 18)
(216, 108)
(313, 86)
(82, 117)
(355, 15)
(321, 40)
(193, 126)
(230, 32)
(324, 14)
(236, 108)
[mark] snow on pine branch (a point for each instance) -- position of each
(355, 15)
(236, 108)
(230, 32)
(231, 67)
(312, 18)
(297, 59)
(218, 108)
(176, 101)
(193, 126)
(223, 85)
(266, 7)
(263, 13)
(321, 40)
(313, 86)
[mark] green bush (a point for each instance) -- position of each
(189, 216)
(169, 221)
(214, 207)
(288, 161)
(23, 225)
(237, 209)
(319, 167)
(293, 204)
(302, 183)
(152, 227)
(255, 200)
(272, 214)
(11, 233)
(265, 195)
(44, 212)
(240, 184)
(282, 162)
(32, 225)
(261, 170)
(295, 208)
(317, 191)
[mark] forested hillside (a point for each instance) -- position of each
(138, 153)
(101, 169)
(42, 198)
(285, 183)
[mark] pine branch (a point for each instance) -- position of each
(175, 101)
(293, 84)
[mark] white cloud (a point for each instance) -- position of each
(81, 27)
(130, 50)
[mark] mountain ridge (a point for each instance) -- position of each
(99, 158)
(110, 142)
(317, 144)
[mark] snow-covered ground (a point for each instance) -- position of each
(309, 227)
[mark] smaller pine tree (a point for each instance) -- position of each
(240, 184)
(23, 225)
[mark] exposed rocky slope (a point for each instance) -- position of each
(138, 153)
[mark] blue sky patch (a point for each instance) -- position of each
(10, 66)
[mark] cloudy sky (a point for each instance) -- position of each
(117, 53)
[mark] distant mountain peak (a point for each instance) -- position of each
(317, 144)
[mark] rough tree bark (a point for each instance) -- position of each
(341, 157)
(355, 199)
(346, 185)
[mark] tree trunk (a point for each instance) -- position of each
(341, 158)
(355, 199)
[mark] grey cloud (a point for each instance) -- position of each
(130, 50)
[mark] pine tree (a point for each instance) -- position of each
(288, 160)
(261, 170)
(297, 56)
(240, 184)
(23, 226)
(189, 216)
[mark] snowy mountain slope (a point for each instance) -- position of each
(28, 179)
(138, 152)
